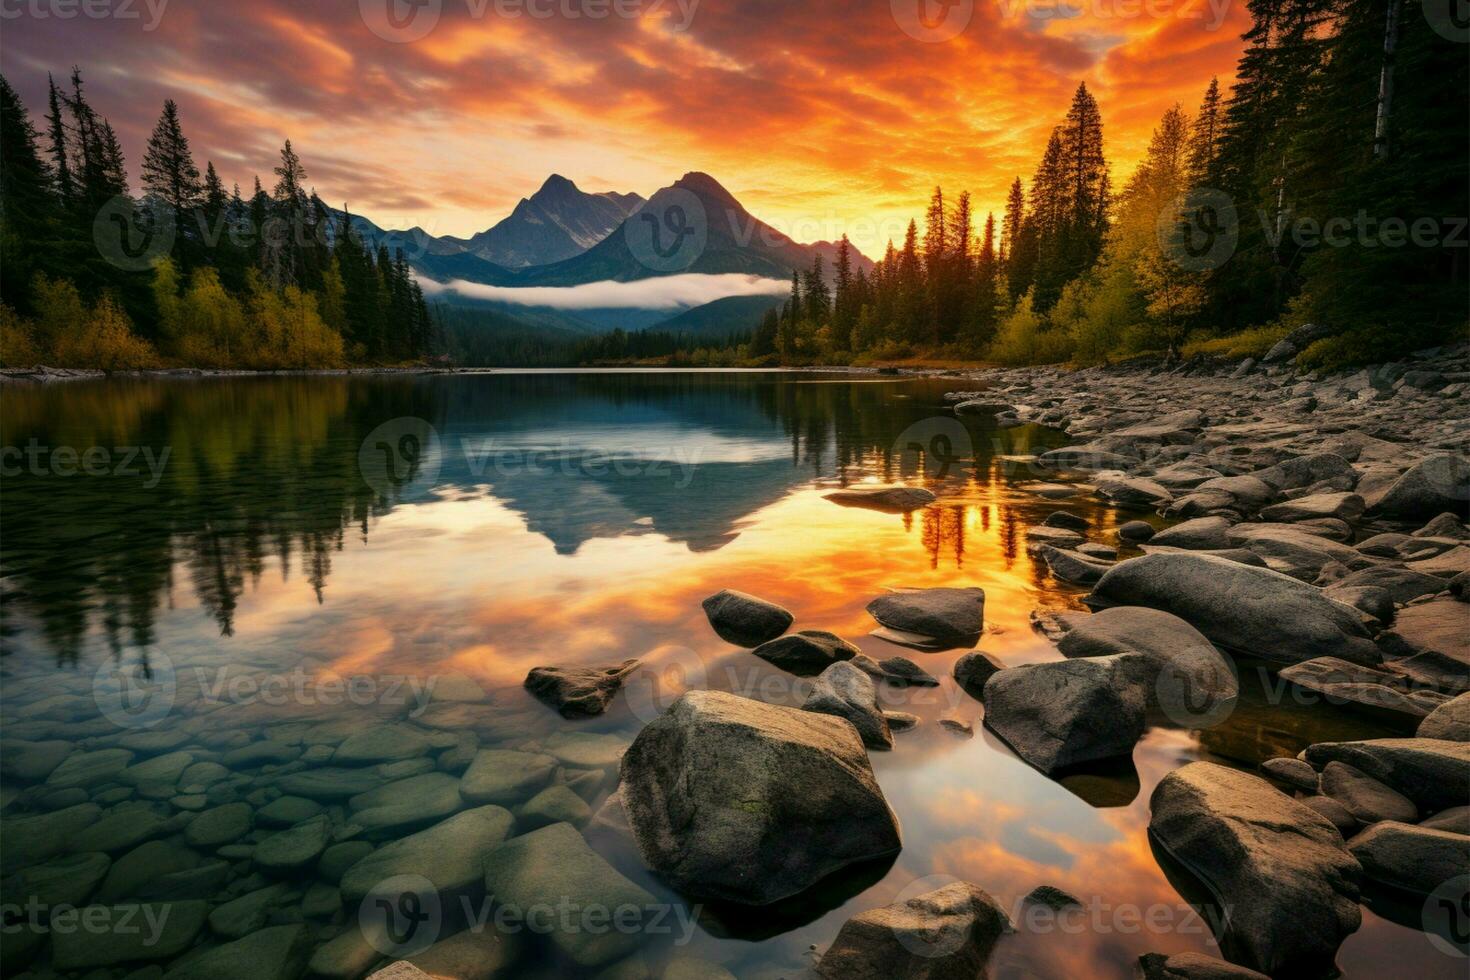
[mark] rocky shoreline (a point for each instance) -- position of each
(1313, 523)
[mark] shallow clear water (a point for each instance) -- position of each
(412, 532)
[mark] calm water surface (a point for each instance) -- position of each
(411, 532)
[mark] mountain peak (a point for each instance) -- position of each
(556, 184)
(703, 185)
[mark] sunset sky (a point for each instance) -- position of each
(821, 117)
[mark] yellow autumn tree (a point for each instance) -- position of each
(105, 340)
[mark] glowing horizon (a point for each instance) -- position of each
(817, 131)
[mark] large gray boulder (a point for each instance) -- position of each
(1067, 712)
(745, 620)
(943, 615)
(1431, 772)
(844, 691)
(734, 799)
(1343, 506)
(1190, 680)
(1135, 491)
(1070, 566)
(449, 854)
(1368, 800)
(1295, 550)
(1356, 686)
(1294, 343)
(1253, 611)
(1428, 488)
(1414, 859)
(1279, 869)
(946, 934)
(1308, 471)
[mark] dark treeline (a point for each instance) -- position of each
(187, 273)
(1329, 186)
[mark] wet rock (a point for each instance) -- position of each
(348, 956)
(958, 726)
(385, 743)
(31, 762)
(1356, 686)
(973, 669)
(138, 933)
(1428, 488)
(123, 828)
(321, 901)
(1059, 714)
(898, 671)
(244, 915)
(578, 692)
(844, 691)
(1336, 814)
(554, 865)
(806, 652)
(1195, 534)
(1343, 506)
(290, 850)
(901, 721)
(1401, 584)
(1069, 566)
(335, 860)
(1450, 721)
(147, 862)
(1415, 859)
(504, 776)
(69, 880)
(1067, 521)
(735, 799)
(893, 500)
(273, 953)
(1135, 492)
(1085, 458)
(263, 753)
(945, 933)
(286, 811)
(1184, 665)
(944, 615)
(554, 804)
(745, 620)
(1446, 525)
(1098, 552)
(1293, 772)
(1432, 641)
(1192, 966)
(475, 954)
(1280, 867)
(408, 803)
(585, 750)
(1294, 549)
(1368, 800)
(87, 769)
(1135, 531)
(1051, 897)
(1456, 820)
(1431, 772)
(221, 825)
(1039, 535)
(1254, 611)
(450, 855)
(328, 784)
